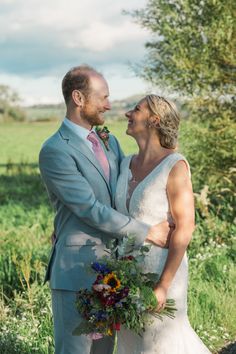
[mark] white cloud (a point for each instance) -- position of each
(100, 36)
(47, 89)
(2, 2)
(39, 41)
(34, 90)
(72, 28)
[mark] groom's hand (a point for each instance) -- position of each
(160, 234)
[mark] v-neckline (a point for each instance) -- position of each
(141, 182)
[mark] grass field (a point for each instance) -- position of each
(26, 223)
(21, 142)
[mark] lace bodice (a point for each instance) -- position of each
(149, 201)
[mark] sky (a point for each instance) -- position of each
(41, 40)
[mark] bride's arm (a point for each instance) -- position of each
(181, 201)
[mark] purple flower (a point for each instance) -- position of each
(101, 315)
(100, 268)
(98, 279)
(124, 293)
(109, 301)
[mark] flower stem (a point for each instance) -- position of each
(115, 344)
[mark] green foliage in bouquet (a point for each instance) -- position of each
(122, 294)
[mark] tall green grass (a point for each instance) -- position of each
(25, 227)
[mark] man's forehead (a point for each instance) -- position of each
(98, 83)
(96, 79)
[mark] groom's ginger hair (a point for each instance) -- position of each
(78, 78)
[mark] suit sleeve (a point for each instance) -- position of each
(63, 179)
(118, 148)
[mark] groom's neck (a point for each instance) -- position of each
(76, 118)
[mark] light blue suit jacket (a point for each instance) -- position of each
(83, 200)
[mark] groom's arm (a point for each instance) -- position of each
(63, 179)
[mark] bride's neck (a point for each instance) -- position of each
(150, 150)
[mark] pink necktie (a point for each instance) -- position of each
(99, 153)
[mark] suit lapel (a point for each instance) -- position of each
(113, 169)
(78, 144)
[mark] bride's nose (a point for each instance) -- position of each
(127, 114)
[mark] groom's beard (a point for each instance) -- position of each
(92, 117)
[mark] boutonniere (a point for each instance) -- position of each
(103, 134)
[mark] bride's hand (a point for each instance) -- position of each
(161, 295)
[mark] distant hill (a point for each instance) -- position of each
(45, 112)
(119, 107)
(49, 112)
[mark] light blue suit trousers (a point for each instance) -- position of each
(66, 319)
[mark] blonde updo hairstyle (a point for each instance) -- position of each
(167, 125)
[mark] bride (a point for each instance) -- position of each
(153, 186)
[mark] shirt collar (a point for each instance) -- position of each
(77, 129)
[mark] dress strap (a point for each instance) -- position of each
(172, 160)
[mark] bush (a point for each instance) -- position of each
(212, 155)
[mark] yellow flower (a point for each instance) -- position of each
(112, 280)
(109, 332)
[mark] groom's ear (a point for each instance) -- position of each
(78, 98)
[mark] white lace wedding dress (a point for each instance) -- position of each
(149, 203)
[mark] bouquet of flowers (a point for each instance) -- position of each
(121, 294)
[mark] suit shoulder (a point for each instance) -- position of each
(53, 147)
(112, 137)
(52, 143)
(113, 141)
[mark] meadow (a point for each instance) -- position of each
(26, 224)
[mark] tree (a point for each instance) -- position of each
(193, 45)
(9, 105)
(192, 51)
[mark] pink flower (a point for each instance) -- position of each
(101, 287)
(128, 258)
(95, 336)
(103, 136)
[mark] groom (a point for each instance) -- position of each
(80, 175)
